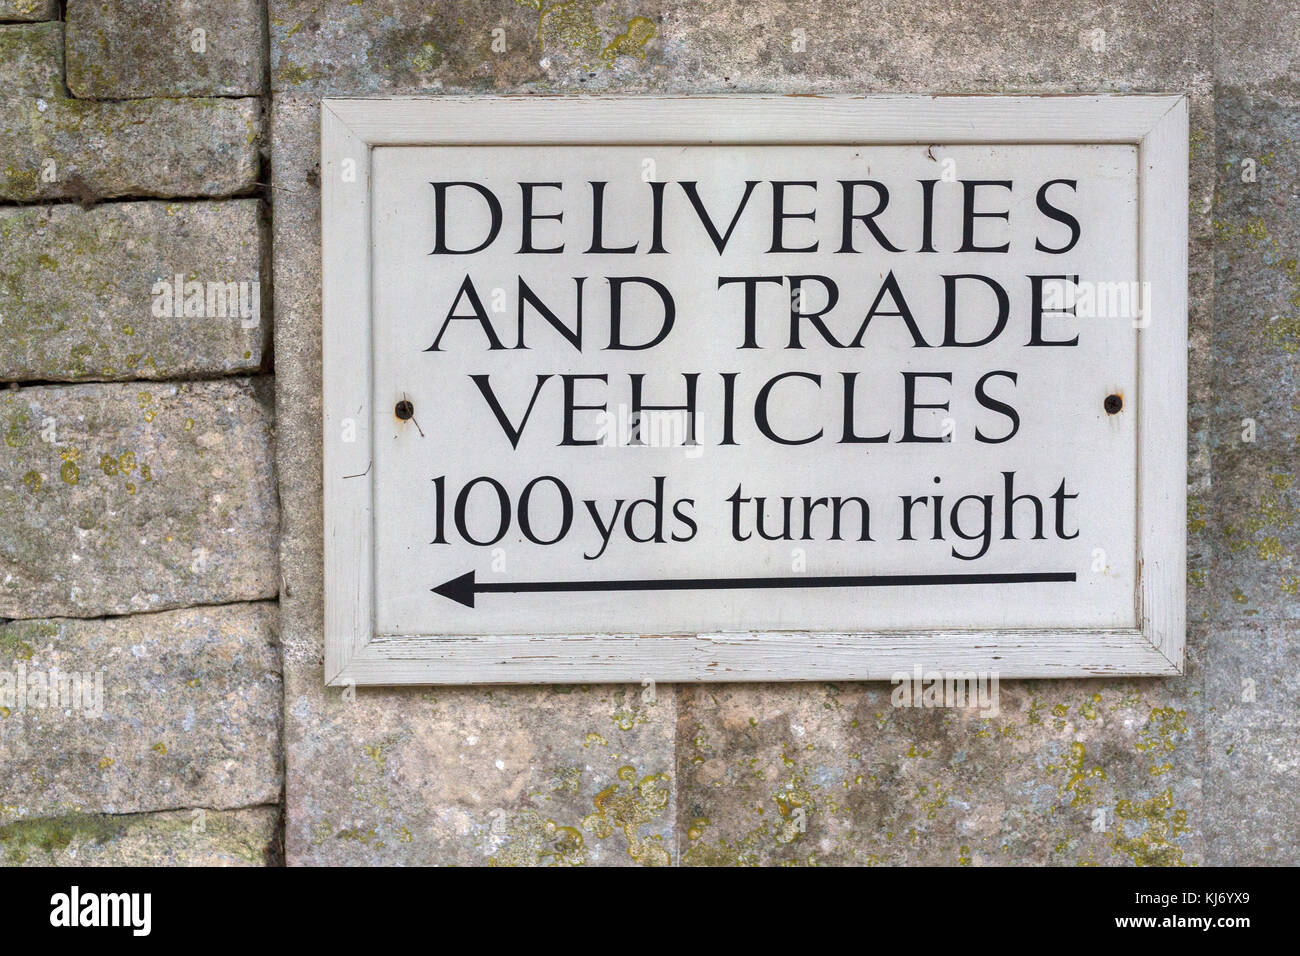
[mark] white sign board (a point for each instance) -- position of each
(753, 388)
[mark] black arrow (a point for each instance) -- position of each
(462, 589)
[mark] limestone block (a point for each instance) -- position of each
(1256, 412)
(142, 712)
(30, 59)
(175, 838)
(1065, 772)
(86, 150)
(29, 9)
(134, 290)
(119, 49)
(125, 498)
(803, 46)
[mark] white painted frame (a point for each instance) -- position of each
(351, 128)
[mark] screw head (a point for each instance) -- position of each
(404, 410)
(1113, 404)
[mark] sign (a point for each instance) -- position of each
(753, 388)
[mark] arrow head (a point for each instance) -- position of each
(461, 589)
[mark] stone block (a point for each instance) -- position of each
(29, 10)
(31, 59)
(176, 838)
(139, 713)
(126, 498)
(475, 776)
(87, 150)
(1257, 44)
(118, 49)
(133, 290)
(788, 47)
(1066, 772)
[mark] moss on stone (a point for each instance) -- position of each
(18, 841)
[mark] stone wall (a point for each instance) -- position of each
(137, 480)
(161, 487)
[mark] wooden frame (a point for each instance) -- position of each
(350, 128)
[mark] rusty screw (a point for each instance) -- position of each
(1113, 404)
(404, 410)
